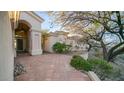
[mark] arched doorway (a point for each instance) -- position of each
(22, 34)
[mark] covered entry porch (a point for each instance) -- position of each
(27, 34)
(22, 38)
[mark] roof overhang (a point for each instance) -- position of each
(34, 15)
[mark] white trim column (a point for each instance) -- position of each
(35, 42)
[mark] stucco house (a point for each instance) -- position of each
(52, 38)
(19, 32)
(63, 37)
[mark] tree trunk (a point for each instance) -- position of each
(116, 50)
(104, 50)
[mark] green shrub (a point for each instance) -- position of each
(114, 75)
(99, 63)
(101, 67)
(61, 47)
(80, 64)
(77, 56)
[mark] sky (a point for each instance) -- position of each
(48, 23)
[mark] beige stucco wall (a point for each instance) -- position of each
(35, 47)
(34, 23)
(51, 40)
(6, 50)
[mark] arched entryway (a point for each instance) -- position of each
(22, 35)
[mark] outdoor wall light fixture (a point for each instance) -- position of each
(14, 17)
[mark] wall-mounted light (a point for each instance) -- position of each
(14, 17)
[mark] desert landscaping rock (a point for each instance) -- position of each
(18, 69)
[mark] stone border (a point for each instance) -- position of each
(93, 76)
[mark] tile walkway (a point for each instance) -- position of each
(49, 67)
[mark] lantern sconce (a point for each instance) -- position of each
(14, 17)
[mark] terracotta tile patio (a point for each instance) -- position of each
(49, 67)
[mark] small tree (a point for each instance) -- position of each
(96, 25)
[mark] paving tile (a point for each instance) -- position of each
(49, 67)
